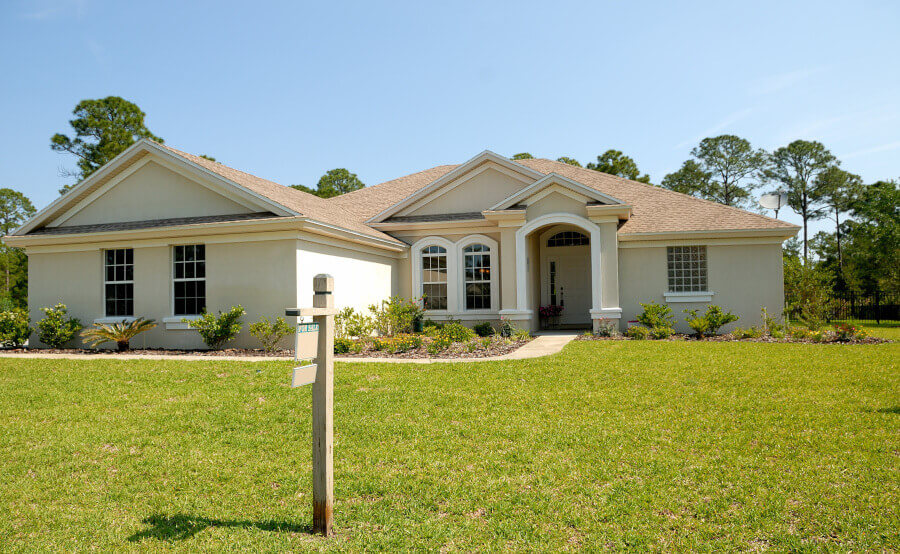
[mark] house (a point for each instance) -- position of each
(163, 234)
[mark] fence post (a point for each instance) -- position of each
(877, 308)
(323, 409)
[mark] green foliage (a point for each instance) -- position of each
(607, 328)
(103, 128)
(343, 345)
(872, 243)
(521, 335)
(484, 329)
(217, 330)
(522, 156)
(350, 323)
(395, 315)
(806, 292)
(724, 169)
(440, 343)
(57, 328)
(269, 334)
(506, 328)
(710, 322)
(335, 182)
(120, 332)
(656, 316)
(456, 332)
(14, 327)
(568, 160)
(406, 342)
(15, 209)
(751, 333)
(771, 324)
(660, 333)
(847, 332)
(615, 162)
(637, 332)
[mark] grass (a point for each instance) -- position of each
(607, 445)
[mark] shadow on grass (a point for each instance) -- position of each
(180, 527)
(894, 410)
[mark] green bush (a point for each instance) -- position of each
(57, 328)
(772, 325)
(269, 334)
(637, 333)
(380, 344)
(440, 343)
(656, 316)
(506, 328)
(847, 332)
(120, 333)
(751, 333)
(484, 329)
(343, 345)
(521, 335)
(217, 330)
(710, 322)
(14, 327)
(352, 324)
(661, 333)
(395, 315)
(457, 332)
(405, 343)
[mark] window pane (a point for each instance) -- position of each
(200, 270)
(687, 271)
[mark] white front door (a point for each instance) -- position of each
(566, 281)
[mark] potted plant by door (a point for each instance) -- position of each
(550, 316)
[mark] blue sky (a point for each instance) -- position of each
(288, 90)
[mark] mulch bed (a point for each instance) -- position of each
(729, 338)
(457, 350)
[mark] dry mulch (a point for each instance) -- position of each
(729, 338)
(457, 350)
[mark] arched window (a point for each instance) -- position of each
(477, 276)
(568, 238)
(434, 277)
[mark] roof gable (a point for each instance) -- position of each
(554, 182)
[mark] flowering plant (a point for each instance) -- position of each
(550, 311)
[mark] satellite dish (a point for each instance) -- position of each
(774, 201)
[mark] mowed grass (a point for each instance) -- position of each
(607, 445)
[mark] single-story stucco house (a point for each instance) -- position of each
(163, 234)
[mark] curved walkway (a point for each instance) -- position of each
(543, 345)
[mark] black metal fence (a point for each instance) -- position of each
(879, 307)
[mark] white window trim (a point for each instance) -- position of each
(461, 274)
(113, 319)
(116, 318)
(416, 250)
(685, 297)
(175, 323)
(173, 280)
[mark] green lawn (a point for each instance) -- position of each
(608, 445)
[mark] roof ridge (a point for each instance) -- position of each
(669, 191)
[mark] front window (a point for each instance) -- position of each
(687, 268)
(568, 238)
(119, 282)
(477, 264)
(434, 277)
(190, 279)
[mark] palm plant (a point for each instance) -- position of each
(120, 333)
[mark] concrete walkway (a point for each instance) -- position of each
(544, 344)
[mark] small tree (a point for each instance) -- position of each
(14, 327)
(217, 330)
(270, 334)
(614, 162)
(57, 328)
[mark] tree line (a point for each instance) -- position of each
(861, 254)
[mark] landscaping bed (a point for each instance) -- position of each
(155, 352)
(475, 348)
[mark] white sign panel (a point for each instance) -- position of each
(304, 375)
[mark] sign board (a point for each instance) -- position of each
(307, 327)
(303, 375)
(307, 342)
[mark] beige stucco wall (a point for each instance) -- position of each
(260, 276)
(478, 193)
(744, 278)
(154, 192)
(555, 202)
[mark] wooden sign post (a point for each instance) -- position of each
(321, 375)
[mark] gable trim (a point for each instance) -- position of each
(456, 173)
(548, 181)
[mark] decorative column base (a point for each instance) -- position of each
(605, 314)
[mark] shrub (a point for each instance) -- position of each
(405, 343)
(120, 333)
(660, 333)
(439, 343)
(217, 330)
(343, 345)
(14, 327)
(846, 332)
(380, 344)
(57, 328)
(710, 322)
(506, 328)
(751, 333)
(656, 315)
(522, 335)
(395, 315)
(772, 325)
(430, 324)
(776, 334)
(484, 329)
(486, 342)
(799, 333)
(350, 323)
(819, 336)
(472, 346)
(457, 332)
(638, 333)
(270, 334)
(607, 328)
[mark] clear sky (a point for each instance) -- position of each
(287, 90)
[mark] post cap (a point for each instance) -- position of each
(323, 284)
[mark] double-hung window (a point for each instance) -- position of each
(477, 265)
(118, 285)
(687, 268)
(434, 277)
(190, 279)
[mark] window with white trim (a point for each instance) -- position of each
(568, 238)
(687, 268)
(189, 285)
(434, 277)
(477, 276)
(118, 285)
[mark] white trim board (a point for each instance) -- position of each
(549, 180)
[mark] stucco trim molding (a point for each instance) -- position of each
(550, 180)
(686, 297)
(175, 323)
(606, 313)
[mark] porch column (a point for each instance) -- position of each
(605, 273)
(508, 268)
